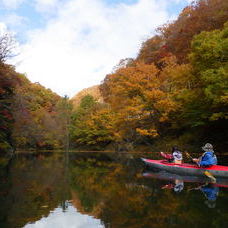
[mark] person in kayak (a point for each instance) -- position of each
(175, 157)
(208, 158)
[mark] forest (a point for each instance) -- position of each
(174, 92)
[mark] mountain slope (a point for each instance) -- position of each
(93, 91)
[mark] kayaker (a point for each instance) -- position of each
(175, 157)
(208, 158)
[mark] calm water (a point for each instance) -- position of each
(83, 190)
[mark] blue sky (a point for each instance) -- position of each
(68, 45)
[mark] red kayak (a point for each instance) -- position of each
(186, 169)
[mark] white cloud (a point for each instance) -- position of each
(46, 2)
(11, 4)
(3, 28)
(86, 39)
(46, 5)
(181, 1)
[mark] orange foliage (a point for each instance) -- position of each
(203, 15)
(139, 97)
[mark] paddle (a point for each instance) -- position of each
(188, 155)
(206, 173)
(197, 188)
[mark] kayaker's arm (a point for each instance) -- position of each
(197, 161)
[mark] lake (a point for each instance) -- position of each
(91, 190)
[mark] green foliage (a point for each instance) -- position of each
(209, 59)
(91, 124)
(87, 102)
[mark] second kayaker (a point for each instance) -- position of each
(175, 157)
(208, 158)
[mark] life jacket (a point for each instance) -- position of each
(208, 159)
(177, 155)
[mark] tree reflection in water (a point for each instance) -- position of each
(100, 190)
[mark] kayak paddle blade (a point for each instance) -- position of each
(208, 174)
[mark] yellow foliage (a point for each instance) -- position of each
(140, 96)
(150, 132)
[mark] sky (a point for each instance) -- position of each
(69, 45)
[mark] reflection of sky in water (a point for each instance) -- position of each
(71, 218)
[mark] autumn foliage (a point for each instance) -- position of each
(30, 114)
(175, 88)
(178, 81)
(8, 81)
(175, 37)
(140, 98)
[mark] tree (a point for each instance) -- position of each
(63, 120)
(200, 88)
(7, 46)
(8, 82)
(153, 50)
(37, 121)
(201, 15)
(209, 59)
(138, 96)
(92, 124)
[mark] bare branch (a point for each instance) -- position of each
(7, 45)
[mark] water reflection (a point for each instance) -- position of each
(69, 218)
(103, 190)
(176, 182)
(178, 185)
(210, 191)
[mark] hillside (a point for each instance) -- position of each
(93, 91)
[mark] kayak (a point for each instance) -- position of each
(163, 175)
(187, 169)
